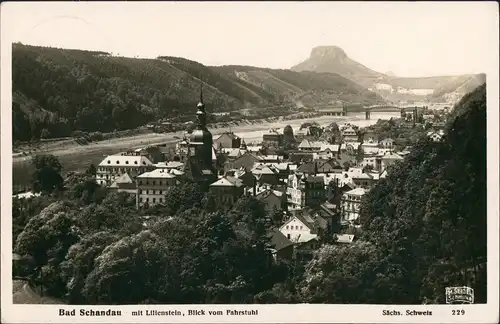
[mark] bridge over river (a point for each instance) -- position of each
(346, 111)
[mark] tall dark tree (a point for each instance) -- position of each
(92, 170)
(288, 136)
(184, 196)
(47, 175)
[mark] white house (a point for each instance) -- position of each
(307, 145)
(370, 147)
(386, 143)
(302, 228)
(388, 159)
(428, 117)
(349, 134)
(254, 148)
(114, 166)
(124, 183)
(294, 190)
(351, 200)
(436, 136)
(152, 187)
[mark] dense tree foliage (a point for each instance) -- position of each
(429, 214)
(47, 175)
(403, 134)
(47, 238)
(24, 209)
(353, 274)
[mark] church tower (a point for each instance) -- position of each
(201, 139)
(198, 166)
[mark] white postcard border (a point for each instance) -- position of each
(301, 313)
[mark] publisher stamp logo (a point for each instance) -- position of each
(459, 295)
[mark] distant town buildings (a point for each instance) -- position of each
(116, 165)
(272, 139)
(311, 146)
(351, 201)
(302, 229)
(349, 134)
(273, 200)
(370, 147)
(227, 190)
(312, 190)
(152, 187)
(304, 190)
(227, 140)
(124, 183)
(387, 159)
(387, 143)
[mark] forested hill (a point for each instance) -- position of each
(428, 217)
(57, 91)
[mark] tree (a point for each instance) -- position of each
(279, 294)
(209, 203)
(25, 209)
(354, 274)
(334, 127)
(276, 216)
(233, 263)
(47, 238)
(359, 154)
(92, 170)
(251, 212)
(184, 196)
(316, 131)
(288, 137)
(127, 271)
(99, 217)
(47, 176)
(308, 124)
(85, 189)
(190, 127)
(80, 262)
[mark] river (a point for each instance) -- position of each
(78, 158)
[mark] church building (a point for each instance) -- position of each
(199, 164)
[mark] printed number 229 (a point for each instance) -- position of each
(457, 312)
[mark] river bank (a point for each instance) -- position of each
(79, 157)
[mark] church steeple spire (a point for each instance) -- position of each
(201, 93)
(201, 147)
(201, 115)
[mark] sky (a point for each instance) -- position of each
(410, 39)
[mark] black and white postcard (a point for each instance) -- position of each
(249, 162)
